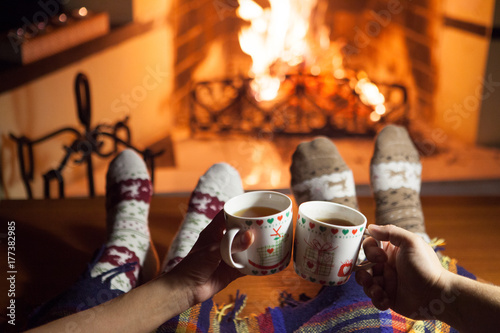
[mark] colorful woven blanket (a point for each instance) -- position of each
(335, 309)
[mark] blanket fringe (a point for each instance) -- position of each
(437, 244)
(232, 311)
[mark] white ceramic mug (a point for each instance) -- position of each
(272, 247)
(327, 253)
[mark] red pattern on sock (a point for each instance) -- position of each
(118, 256)
(130, 189)
(203, 203)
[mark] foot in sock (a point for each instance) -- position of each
(319, 173)
(219, 184)
(395, 172)
(128, 194)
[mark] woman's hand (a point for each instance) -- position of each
(408, 274)
(202, 269)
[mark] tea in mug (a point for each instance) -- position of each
(336, 221)
(256, 211)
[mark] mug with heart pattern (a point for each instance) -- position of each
(328, 238)
(271, 225)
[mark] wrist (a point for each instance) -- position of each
(444, 305)
(437, 298)
(177, 295)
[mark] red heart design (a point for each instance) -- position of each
(322, 282)
(270, 251)
(354, 231)
(259, 222)
(263, 272)
(311, 225)
(310, 264)
(298, 216)
(280, 217)
(334, 231)
(303, 275)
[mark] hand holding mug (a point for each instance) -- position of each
(328, 237)
(408, 274)
(268, 215)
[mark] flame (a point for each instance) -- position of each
(276, 34)
(265, 87)
(278, 38)
(369, 94)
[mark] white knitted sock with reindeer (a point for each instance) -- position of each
(220, 183)
(128, 194)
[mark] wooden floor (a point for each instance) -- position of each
(56, 238)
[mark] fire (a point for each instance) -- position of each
(265, 87)
(276, 36)
(370, 95)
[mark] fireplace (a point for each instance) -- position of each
(358, 66)
(393, 46)
(387, 42)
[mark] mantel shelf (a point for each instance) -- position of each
(13, 76)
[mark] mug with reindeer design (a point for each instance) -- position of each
(268, 215)
(328, 238)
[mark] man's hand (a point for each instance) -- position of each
(408, 274)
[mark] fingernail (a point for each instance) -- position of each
(245, 238)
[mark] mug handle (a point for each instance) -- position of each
(366, 264)
(225, 248)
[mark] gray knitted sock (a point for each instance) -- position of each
(319, 173)
(395, 172)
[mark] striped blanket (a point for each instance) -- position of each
(335, 309)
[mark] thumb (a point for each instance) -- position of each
(396, 235)
(242, 241)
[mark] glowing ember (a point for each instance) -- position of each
(265, 87)
(370, 95)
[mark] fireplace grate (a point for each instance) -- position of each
(306, 105)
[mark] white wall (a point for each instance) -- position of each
(133, 78)
(462, 58)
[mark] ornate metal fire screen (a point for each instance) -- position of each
(86, 143)
(306, 105)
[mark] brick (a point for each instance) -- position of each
(351, 6)
(187, 21)
(419, 51)
(417, 23)
(422, 3)
(184, 77)
(197, 44)
(424, 81)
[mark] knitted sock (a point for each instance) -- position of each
(128, 194)
(220, 183)
(395, 171)
(319, 173)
